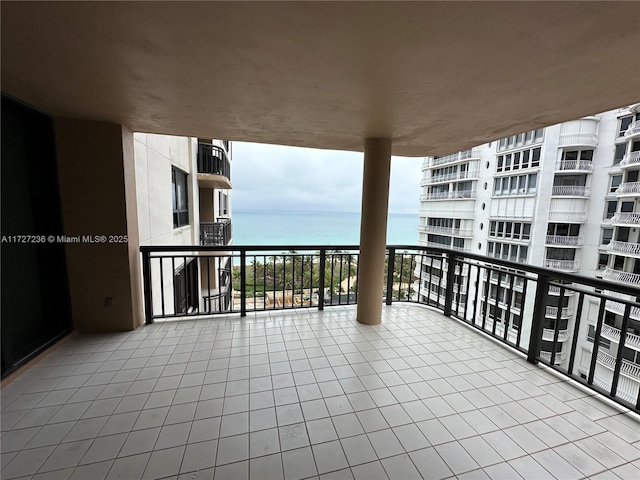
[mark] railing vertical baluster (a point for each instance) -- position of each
(466, 290)
(208, 306)
(576, 330)
(146, 277)
(173, 284)
(430, 278)
(596, 341)
(243, 283)
(507, 320)
(477, 299)
(390, 268)
(422, 266)
(331, 278)
(440, 282)
(412, 259)
(349, 277)
(340, 283)
(264, 282)
(495, 319)
(487, 291)
(451, 272)
(162, 285)
(357, 273)
(539, 312)
(525, 283)
(323, 259)
(255, 299)
(401, 276)
(556, 329)
(623, 339)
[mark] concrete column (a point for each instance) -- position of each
(373, 229)
(98, 195)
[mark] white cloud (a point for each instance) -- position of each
(272, 177)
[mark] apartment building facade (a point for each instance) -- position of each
(564, 198)
(184, 198)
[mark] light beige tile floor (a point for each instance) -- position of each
(306, 394)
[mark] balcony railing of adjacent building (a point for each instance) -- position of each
(320, 276)
(565, 312)
(612, 333)
(628, 188)
(578, 140)
(458, 232)
(453, 194)
(574, 217)
(630, 159)
(213, 160)
(568, 265)
(215, 233)
(618, 308)
(627, 367)
(570, 191)
(575, 165)
(565, 241)
(450, 177)
(454, 157)
(619, 276)
(626, 218)
(624, 248)
(633, 130)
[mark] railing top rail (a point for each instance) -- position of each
(465, 256)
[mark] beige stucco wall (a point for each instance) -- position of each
(97, 187)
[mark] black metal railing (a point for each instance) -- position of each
(215, 233)
(213, 160)
(585, 328)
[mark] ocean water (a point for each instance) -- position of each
(314, 228)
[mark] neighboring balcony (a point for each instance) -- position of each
(451, 195)
(611, 333)
(623, 219)
(630, 159)
(618, 308)
(450, 177)
(214, 167)
(564, 265)
(627, 368)
(575, 166)
(215, 233)
(570, 217)
(565, 241)
(559, 358)
(571, 191)
(458, 232)
(628, 189)
(633, 130)
(622, 277)
(552, 312)
(578, 140)
(624, 248)
(548, 335)
(455, 157)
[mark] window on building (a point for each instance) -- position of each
(611, 207)
(614, 183)
(624, 125)
(607, 235)
(180, 198)
(185, 287)
(603, 261)
(621, 149)
(627, 207)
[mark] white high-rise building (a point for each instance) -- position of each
(565, 198)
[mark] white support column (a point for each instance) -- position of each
(373, 229)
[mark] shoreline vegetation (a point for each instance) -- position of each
(293, 279)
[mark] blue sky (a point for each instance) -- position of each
(274, 177)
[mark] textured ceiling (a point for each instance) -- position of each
(436, 77)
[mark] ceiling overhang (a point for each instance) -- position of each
(436, 77)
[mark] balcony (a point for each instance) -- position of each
(565, 241)
(450, 177)
(558, 359)
(624, 248)
(612, 333)
(618, 308)
(627, 368)
(552, 312)
(633, 130)
(457, 232)
(578, 140)
(570, 191)
(215, 233)
(630, 159)
(451, 195)
(575, 166)
(565, 265)
(214, 167)
(623, 219)
(455, 157)
(548, 335)
(628, 189)
(623, 277)
(571, 217)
